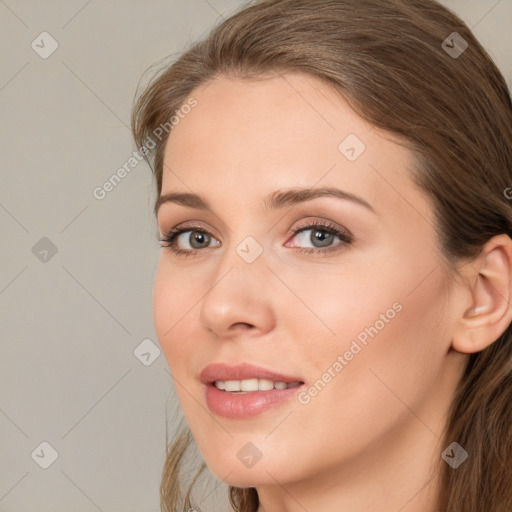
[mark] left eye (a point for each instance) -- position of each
(316, 237)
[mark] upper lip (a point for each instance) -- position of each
(223, 371)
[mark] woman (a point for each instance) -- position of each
(334, 290)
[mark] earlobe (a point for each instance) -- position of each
(490, 287)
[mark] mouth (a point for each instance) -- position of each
(244, 391)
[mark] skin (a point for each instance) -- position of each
(371, 439)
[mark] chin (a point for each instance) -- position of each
(249, 480)
(237, 475)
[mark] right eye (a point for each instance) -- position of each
(197, 238)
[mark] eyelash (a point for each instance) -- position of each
(345, 237)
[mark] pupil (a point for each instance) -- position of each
(323, 237)
(197, 238)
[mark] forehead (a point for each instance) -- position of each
(251, 137)
(278, 117)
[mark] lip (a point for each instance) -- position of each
(244, 404)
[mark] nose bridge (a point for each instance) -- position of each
(237, 293)
(243, 256)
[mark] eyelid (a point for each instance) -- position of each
(188, 225)
(324, 224)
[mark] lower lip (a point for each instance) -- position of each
(246, 405)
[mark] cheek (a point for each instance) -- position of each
(173, 305)
(389, 323)
(175, 319)
(393, 352)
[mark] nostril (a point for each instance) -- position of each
(243, 325)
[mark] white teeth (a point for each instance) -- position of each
(249, 385)
(252, 385)
(263, 385)
(232, 385)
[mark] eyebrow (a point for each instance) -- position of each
(276, 200)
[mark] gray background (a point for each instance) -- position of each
(70, 321)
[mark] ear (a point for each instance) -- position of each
(490, 293)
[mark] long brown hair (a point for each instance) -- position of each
(401, 67)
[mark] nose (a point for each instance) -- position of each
(239, 300)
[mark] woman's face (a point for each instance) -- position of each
(355, 305)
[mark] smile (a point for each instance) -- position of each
(250, 385)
